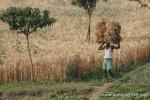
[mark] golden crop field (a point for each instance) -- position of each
(55, 47)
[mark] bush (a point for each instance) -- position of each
(76, 69)
(72, 70)
(93, 74)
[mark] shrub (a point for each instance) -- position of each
(95, 73)
(72, 70)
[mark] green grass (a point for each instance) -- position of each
(46, 90)
(133, 86)
(137, 81)
(46, 85)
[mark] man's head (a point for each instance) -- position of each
(107, 44)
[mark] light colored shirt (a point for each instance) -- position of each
(108, 53)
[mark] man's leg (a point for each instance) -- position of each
(105, 74)
(109, 68)
(110, 73)
(105, 70)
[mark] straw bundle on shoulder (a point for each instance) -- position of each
(108, 31)
(100, 30)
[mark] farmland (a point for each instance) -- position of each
(55, 48)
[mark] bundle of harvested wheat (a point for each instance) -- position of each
(100, 30)
(108, 31)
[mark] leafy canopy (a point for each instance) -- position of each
(88, 5)
(26, 20)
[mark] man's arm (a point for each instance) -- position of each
(102, 46)
(116, 46)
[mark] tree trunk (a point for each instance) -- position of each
(32, 67)
(89, 29)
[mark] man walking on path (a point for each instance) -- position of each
(107, 64)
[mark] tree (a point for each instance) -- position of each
(26, 20)
(143, 3)
(89, 6)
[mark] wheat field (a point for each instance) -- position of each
(54, 48)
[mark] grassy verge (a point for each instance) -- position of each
(133, 86)
(135, 83)
(46, 90)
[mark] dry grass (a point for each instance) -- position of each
(53, 48)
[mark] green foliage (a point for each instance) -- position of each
(18, 46)
(49, 90)
(136, 84)
(93, 74)
(35, 49)
(88, 5)
(71, 73)
(26, 20)
(72, 70)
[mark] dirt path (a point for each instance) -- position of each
(98, 90)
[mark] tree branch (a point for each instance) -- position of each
(20, 31)
(93, 9)
(34, 29)
(143, 3)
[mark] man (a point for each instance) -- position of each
(107, 64)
